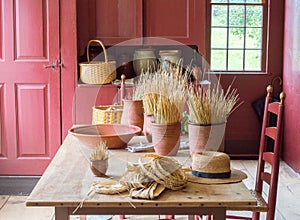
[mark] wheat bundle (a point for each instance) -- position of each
(100, 153)
(211, 105)
(163, 93)
(166, 111)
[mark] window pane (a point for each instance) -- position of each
(219, 1)
(253, 60)
(236, 16)
(254, 16)
(253, 38)
(236, 38)
(236, 1)
(254, 1)
(235, 60)
(218, 37)
(218, 60)
(219, 15)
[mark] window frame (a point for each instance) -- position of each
(267, 20)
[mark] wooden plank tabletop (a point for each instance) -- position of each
(68, 179)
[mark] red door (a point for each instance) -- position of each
(29, 86)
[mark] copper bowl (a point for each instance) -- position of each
(115, 135)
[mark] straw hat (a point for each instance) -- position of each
(211, 167)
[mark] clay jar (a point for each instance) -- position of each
(166, 138)
(133, 113)
(144, 60)
(206, 137)
(169, 57)
(99, 167)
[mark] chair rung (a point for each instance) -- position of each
(266, 177)
(268, 157)
(273, 107)
(271, 132)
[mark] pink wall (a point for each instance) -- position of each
(291, 76)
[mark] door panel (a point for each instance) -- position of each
(30, 108)
(1, 32)
(2, 150)
(32, 120)
(179, 20)
(111, 21)
(30, 44)
(170, 19)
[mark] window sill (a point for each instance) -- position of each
(239, 72)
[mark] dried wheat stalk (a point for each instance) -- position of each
(100, 153)
(211, 105)
(163, 93)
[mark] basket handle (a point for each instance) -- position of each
(88, 51)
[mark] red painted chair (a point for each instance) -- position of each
(270, 156)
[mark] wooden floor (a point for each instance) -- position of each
(288, 199)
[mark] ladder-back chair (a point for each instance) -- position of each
(270, 156)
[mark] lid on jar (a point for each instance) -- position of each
(144, 53)
(169, 52)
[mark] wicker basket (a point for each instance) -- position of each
(97, 72)
(110, 114)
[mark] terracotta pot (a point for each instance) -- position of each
(133, 113)
(147, 127)
(99, 167)
(166, 138)
(206, 137)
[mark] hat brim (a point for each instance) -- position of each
(235, 177)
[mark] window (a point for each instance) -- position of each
(238, 30)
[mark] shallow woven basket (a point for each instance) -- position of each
(110, 114)
(97, 72)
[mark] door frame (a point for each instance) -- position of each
(68, 50)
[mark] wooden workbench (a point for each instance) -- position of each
(68, 179)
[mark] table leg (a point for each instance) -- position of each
(61, 213)
(220, 214)
(191, 217)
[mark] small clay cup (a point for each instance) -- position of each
(99, 167)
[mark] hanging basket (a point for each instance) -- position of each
(97, 72)
(110, 114)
